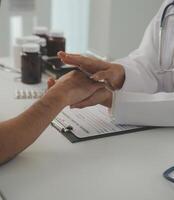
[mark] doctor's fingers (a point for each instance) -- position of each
(62, 54)
(67, 58)
(114, 80)
(99, 97)
(89, 64)
(86, 103)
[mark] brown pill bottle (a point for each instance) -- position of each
(31, 64)
(41, 31)
(56, 43)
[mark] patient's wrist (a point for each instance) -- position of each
(55, 97)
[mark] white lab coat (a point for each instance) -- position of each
(147, 96)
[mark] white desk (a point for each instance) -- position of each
(127, 167)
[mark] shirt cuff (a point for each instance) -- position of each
(132, 77)
(116, 98)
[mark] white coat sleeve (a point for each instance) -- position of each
(147, 107)
(144, 109)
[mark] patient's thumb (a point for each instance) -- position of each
(50, 83)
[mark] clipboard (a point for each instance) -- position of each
(65, 126)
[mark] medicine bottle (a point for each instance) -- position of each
(17, 48)
(31, 64)
(56, 43)
(41, 42)
(41, 31)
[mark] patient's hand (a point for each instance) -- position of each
(73, 87)
(113, 73)
(102, 96)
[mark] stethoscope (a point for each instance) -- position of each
(165, 16)
(168, 173)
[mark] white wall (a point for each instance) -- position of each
(10, 27)
(117, 26)
(4, 29)
(72, 16)
(99, 26)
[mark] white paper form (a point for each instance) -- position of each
(91, 121)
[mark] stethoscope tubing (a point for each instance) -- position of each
(162, 27)
(165, 12)
(167, 173)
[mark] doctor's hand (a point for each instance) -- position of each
(114, 74)
(101, 96)
(73, 87)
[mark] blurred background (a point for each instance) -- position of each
(109, 28)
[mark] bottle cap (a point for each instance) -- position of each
(55, 33)
(40, 30)
(43, 42)
(32, 39)
(31, 48)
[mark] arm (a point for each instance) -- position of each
(20, 132)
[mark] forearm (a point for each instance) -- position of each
(20, 132)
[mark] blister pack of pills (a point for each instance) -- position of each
(28, 94)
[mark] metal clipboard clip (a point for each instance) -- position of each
(60, 127)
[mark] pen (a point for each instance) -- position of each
(8, 69)
(108, 86)
(106, 83)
